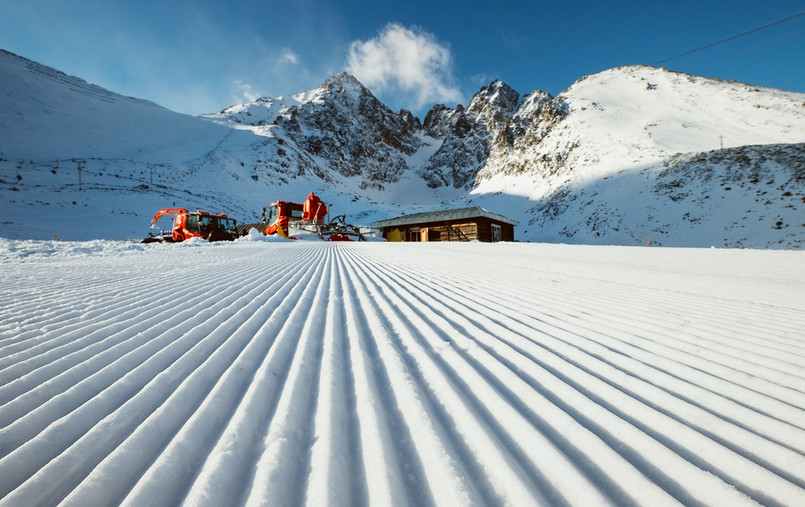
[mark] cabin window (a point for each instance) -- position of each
(497, 232)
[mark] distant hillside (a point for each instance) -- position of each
(633, 155)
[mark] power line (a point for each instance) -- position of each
(753, 30)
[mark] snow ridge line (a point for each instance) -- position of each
(791, 465)
(93, 299)
(363, 374)
(197, 410)
(428, 344)
(606, 295)
(333, 459)
(617, 340)
(413, 420)
(81, 352)
(238, 449)
(603, 481)
(462, 471)
(73, 344)
(552, 314)
(168, 350)
(283, 467)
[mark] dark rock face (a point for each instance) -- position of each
(342, 130)
(353, 131)
(498, 121)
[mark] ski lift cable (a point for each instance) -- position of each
(753, 30)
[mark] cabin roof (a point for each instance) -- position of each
(443, 216)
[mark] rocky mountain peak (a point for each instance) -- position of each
(621, 153)
(344, 82)
(344, 124)
(471, 135)
(497, 95)
(437, 120)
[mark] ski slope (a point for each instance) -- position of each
(286, 373)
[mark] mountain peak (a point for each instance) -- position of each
(497, 94)
(626, 153)
(343, 81)
(496, 85)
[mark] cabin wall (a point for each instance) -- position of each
(480, 229)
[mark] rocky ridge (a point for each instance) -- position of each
(590, 165)
(337, 130)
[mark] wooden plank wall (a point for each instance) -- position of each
(480, 229)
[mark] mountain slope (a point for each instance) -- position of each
(740, 197)
(48, 115)
(72, 151)
(625, 117)
(79, 162)
(338, 130)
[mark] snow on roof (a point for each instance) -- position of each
(443, 216)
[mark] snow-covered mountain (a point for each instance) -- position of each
(337, 130)
(48, 115)
(633, 155)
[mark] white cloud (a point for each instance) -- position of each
(243, 92)
(289, 56)
(408, 63)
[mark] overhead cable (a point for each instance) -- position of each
(753, 30)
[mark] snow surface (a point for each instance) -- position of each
(629, 117)
(48, 115)
(279, 372)
(79, 162)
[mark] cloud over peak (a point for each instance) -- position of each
(408, 63)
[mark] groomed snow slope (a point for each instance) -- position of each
(383, 374)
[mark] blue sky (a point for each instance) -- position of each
(202, 56)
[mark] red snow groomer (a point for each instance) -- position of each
(192, 224)
(289, 219)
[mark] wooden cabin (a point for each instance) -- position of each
(463, 224)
